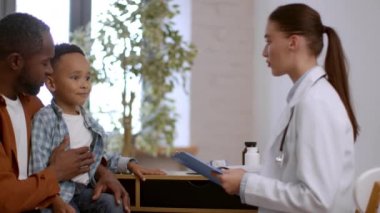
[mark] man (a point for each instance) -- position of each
(26, 48)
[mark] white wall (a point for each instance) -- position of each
(221, 87)
(357, 24)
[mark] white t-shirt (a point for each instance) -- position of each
(16, 113)
(80, 136)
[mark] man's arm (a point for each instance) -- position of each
(106, 181)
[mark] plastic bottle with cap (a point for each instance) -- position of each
(252, 158)
(247, 144)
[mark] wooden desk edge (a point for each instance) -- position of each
(169, 176)
(191, 210)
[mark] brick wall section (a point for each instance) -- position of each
(221, 87)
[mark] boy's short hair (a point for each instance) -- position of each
(65, 48)
(21, 33)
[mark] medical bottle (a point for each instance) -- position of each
(252, 159)
(247, 144)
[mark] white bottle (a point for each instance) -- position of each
(252, 159)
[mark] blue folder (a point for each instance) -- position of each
(196, 165)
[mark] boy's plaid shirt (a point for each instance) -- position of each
(48, 131)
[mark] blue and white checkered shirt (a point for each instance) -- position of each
(48, 131)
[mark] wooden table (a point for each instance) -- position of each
(180, 192)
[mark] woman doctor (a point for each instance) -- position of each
(309, 164)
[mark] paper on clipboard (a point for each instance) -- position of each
(196, 165)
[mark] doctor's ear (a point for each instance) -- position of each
(294, 42)
(50, 84)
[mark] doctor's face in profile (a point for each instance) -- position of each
(276, 50)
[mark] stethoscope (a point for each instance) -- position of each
(280, 157)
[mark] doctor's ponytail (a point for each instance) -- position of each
(336, 69)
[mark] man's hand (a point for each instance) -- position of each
(140, 171)
(230, 180)
(72, 162)
(59, 206)
(108, 182)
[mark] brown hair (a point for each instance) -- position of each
(301, 19)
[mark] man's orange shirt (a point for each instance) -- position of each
(37, 190)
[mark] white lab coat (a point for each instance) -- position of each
(318, 169)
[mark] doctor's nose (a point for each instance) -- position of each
(265, 51)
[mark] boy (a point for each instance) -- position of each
(70, 85)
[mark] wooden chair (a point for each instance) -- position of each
(374, 199)
(367, 191)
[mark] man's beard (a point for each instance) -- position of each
(27, 85)
(31, 89)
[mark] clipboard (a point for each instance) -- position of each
(196, 165)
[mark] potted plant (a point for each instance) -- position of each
(139, 41)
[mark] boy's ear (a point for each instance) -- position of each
(49, 82)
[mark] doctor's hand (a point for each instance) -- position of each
(230, 180)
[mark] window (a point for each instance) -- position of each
(108, 109)
(56, 15)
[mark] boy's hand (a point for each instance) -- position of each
(140, 171)
(108, 182)
(70, 163)
(59, 206)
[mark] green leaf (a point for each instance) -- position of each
(138, 39)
